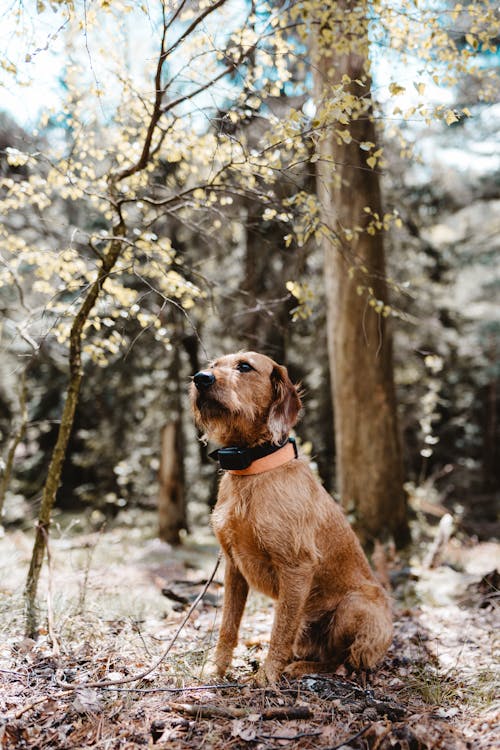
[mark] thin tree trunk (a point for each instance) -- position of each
(191, 344)
(491, 444)
(369, 462)
(171, 496)
(264, 324)
(75, 365)
(18, 435)
(67, 419)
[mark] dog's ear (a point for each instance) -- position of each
(285, 407)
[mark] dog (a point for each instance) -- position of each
(280, 531)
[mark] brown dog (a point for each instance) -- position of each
(281, 532)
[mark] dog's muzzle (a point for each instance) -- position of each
(203, 380)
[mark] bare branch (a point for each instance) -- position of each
(206, 12)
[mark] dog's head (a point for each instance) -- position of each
(245, 399)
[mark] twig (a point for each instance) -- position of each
(86, 571)
(209, 9)
(141, 675)
(33, 704)
(287, 712)
(188, 689)
(288, 739)
(209, 711)
(348, 740)
(444, 532)
(15, 674)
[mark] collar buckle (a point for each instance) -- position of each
(232, 458)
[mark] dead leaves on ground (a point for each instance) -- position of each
(316, 712)
(421, 698)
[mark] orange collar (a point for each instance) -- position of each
(282, 456)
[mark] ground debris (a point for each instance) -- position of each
(486, 592)
(360, 700)
(434, 691)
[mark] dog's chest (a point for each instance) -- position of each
(240, 542)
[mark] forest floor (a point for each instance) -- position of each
(108, 620)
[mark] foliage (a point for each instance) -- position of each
(187, 125)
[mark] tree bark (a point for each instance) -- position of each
(369, 461)
(171, 496)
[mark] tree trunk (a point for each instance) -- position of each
(17, 437)
(491, 442)
(369, 462)
(171, 497)
(67, 419)
(265, 321)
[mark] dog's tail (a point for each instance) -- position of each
(362, 628)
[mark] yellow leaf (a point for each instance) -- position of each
(395, 89)
(345, 135)
(450, 117)
(470, 39)
(371, 161)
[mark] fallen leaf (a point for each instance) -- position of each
(87, 701)
(240, 728)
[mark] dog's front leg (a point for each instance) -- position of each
(294, 588)
(235, 596)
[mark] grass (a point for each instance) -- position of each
(434, 686)
(438, 687)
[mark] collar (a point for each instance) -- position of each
(257, 460)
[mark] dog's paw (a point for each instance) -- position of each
(295, 669)
(211, 670)
(267, 675)
(221, 662)
(261, 679)
(215, 668)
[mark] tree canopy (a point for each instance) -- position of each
(164, 201)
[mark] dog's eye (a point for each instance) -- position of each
(244, 367)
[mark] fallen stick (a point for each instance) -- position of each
(28, 707)
(210, 711)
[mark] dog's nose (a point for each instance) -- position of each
(203, 380)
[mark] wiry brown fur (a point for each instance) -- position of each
(283, 535)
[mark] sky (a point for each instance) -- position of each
(26, 43)
(36, 43)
